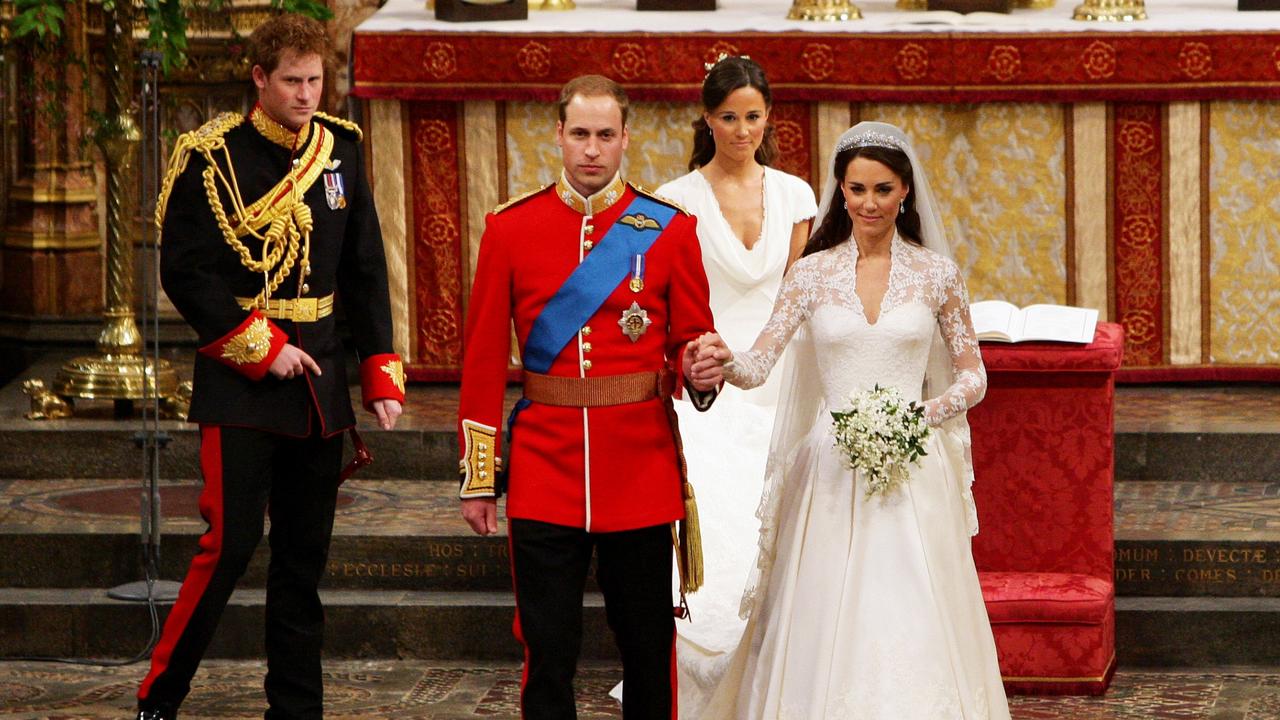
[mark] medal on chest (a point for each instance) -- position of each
(637, 274)
(334, 193)
(635, 321)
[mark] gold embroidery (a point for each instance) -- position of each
(479, 465)
(395, 370)
(250, 345)
(640, 189)
(279, 219)
(518, 199)
(277, 133)
(640, 221)
(597, 203)
(344, 124)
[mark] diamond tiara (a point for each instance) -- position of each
(870, 138)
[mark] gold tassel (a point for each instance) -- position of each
(691, 575)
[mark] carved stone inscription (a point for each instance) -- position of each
(423, 564)
(1188, 568)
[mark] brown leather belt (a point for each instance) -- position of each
(597, 391)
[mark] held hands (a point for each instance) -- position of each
(481, 514)
(704, 361)
(292, 362)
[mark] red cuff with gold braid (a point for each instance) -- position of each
(250, 348)
(381, 378)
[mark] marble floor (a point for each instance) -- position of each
(407, 690)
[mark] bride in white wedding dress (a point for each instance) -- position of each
(866, 608)
(752, 220)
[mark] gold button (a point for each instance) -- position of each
(586, 347)
(483, 474)
(586, 364)
(586, 329)
(483, 456)
(588, 244)
(483, 447)
(589, 229)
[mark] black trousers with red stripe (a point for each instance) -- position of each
(549, 564)
(249, 473)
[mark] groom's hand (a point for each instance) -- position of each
(481, 514)
(703, 362)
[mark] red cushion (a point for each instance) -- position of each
(1027, 597)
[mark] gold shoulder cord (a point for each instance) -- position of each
(281, 211)
(343, 123)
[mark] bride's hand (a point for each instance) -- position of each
(703, 362)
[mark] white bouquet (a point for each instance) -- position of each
(881, 434)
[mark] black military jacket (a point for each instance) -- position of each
(204, 276)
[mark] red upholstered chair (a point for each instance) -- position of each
(1043, 460)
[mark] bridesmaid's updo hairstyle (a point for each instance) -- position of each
(728, 74)
(837, 226)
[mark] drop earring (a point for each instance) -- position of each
(902, 207)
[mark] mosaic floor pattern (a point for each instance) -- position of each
(422, 691)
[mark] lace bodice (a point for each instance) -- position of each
(925, 292)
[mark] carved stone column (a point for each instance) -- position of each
(52, 257)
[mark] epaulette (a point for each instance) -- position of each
(655, 196)
(342, 124)
(203, 140)
(519, 199)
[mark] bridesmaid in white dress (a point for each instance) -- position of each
(866, 608)
(752, 221)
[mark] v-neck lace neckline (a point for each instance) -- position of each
(888, 286)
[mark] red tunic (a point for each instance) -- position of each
(603, 469)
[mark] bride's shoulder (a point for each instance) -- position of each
(931, 258)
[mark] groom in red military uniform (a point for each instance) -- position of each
(606, 288)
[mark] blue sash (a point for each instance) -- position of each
(593, 281)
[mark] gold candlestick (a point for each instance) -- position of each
(823, 10)
(1111, 11)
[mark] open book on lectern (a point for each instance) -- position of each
(1006, 322)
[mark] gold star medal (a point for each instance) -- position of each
(635, 321)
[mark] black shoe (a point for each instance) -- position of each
(161, 712)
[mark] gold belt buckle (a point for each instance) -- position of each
(305, 309)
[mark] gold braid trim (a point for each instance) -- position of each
(204, 140)
(343, 123)
(281, 211)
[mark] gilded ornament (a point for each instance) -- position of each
(634, 321)
(251, 345)
(640, 221)
(395, 370)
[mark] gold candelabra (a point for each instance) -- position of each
(823, 10)
(1111, 11)
(118, 371)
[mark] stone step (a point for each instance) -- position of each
(110, 452)
(1172, 539)
(1164, 434)
(1184, 632)
(476, 626)
(359, 624)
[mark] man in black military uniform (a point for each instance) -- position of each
(264, 219)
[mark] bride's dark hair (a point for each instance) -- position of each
(837, 226)
(728, 75)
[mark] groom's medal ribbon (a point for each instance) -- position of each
(637, 273)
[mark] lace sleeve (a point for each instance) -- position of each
(750, 368)
(970, 382)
